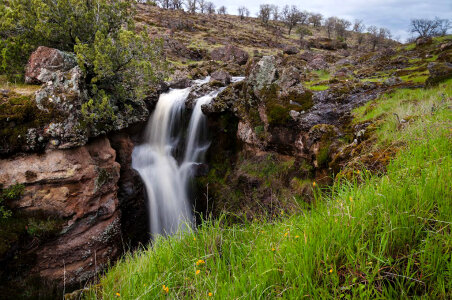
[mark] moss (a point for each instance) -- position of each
(18, 114)
(279, 106)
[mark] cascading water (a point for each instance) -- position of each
(166, 179)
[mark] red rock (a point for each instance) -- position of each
(79, 187)
(47, 60)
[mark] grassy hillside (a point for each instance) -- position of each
(374, 236)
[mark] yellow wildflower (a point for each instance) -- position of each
(194, 239)
(331, 271)
(351, 199)
(200, 262)
(165, 289)
(273, 249)
(314, 184)
(198, 271)
(210, 294)
(285, 234)
(297, 236)
(357, 172)
(118, 294)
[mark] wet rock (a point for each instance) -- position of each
(439, 71)
(44, 62)
(181, 83)
(221, 76)
(230, 53)
(78, 187)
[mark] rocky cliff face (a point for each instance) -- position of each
(78, 187)
(80, 192)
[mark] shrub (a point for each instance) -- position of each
(12, 193)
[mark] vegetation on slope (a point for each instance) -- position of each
(375, 236)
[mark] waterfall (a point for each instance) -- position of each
(166, 176)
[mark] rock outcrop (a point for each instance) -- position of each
(78, 187)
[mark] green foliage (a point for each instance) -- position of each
(9, 194)
(59, 24)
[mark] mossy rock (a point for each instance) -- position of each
(18, 114)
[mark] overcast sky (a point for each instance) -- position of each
(392, 14)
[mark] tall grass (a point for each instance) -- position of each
(387, 237)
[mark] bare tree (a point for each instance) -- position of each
(202, 6)
(222, 10)
(191, 5)
(165, 4)
(291, 16)
(243, 12)
(264, 13)
(275, 12)
(341, 28)
(358, 28)
(315, 19)
(210, 8)
(302, 32)
(429, 28)
(304, 17)
(176, 4)
(330, 25)
(378, 36)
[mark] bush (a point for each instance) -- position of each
(120, 65)
(14, 192)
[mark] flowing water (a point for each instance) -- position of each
(165, 173)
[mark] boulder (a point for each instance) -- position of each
(263, 74)
(44, 62)
(421, 41)
(290, 50)
(439, 71)
(327, 44)
(230, 53)
(221, 76)
(318, 63)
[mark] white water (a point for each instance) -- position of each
(166, 179)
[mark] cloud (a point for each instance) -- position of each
(392, 14)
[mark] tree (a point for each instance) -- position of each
(291, 16)
(210, 8)
(359, 27)
(165, 4)
(264, 13)
(330, 25)
(191, 5)
(243, 12)
(275, 12)
(119, 65)
(429, 28)
(304, 16)
(378, 36)
(176, 4)
(302, 32)
(54, 23)
(202, 6)
(315, 19)
(341, 28)
(222, 10)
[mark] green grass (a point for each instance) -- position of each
(318, 87)
(386, 237)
